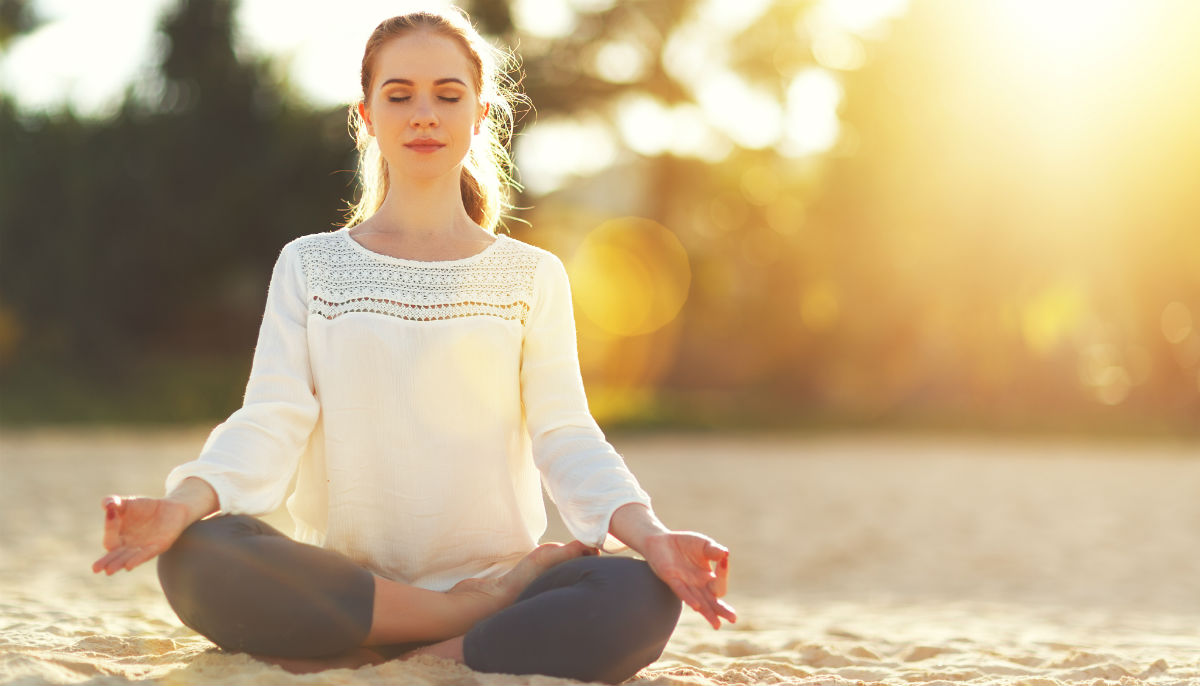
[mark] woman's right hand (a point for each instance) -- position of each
(136, 529)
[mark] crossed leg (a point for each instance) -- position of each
(249, 588)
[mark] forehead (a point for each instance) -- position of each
(423, 56)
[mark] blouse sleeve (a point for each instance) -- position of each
(249, 458)
(585, 476)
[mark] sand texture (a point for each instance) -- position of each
(855, 561)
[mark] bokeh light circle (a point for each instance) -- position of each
(631, 276)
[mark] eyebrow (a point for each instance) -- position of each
(439, 82)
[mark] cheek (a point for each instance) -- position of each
(388, 120)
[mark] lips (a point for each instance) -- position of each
(424, 145)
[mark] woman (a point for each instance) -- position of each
(418, 375)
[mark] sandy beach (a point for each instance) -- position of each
(856, 560)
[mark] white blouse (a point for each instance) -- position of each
(416, 403)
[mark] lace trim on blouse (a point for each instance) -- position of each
(344, 278)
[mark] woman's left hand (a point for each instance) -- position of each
(683, 560)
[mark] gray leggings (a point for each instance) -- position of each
(249, 588)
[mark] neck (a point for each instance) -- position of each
(425, 208)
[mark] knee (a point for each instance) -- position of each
(186, 570)
(649, 611)
(199, 543)
(657, 606)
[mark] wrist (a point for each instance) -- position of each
(195, 498)
(634, 524)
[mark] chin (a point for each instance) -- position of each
(421, 172)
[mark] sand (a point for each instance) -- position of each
(872, 560)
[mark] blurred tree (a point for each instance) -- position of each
(17, 17)
(148, 237)
(936, 261)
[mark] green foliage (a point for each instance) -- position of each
(151, 234)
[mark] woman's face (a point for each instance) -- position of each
(422, 108)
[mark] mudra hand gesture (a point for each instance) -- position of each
(685, 560)
(137, 529)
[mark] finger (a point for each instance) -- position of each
(720, 585)
(113, 509)
(685, 593)
(715, 551)
(143, 555)
(698, 601)
(100, 564)
(726, 610)
(711, 610)
(118, 562)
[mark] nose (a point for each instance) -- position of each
(423, 116)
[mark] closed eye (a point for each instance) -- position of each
(408, 97)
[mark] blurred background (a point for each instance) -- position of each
(977, 215)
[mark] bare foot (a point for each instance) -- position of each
(503, 590)
(539, 560)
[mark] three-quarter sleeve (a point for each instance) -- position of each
(250, 458)
(585, 476)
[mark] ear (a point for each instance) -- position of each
(366, 116)
(479, 122)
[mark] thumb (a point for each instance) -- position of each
(113, 509)
(716, 551)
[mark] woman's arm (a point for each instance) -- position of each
(681, 559)
(249, 459)
(586, 478)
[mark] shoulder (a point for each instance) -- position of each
(543, 262)
(519, 246)
(313, 242)
(305, 254)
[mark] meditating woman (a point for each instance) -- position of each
(416, 374)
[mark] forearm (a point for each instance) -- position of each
(633, 523)
(196, 496)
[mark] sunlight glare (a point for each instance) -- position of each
(1064, 32)
(621, 61)
(544, 18)
(650, 127)
(84, 56)
(693, 49)
(631, 276)
(839, 50)
(593, 5)
(749, 116)
(645, 124)
(864, 17)
(732, 15)
(551, 151)
(813, 98)
(1048, 318)
(692, 136)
